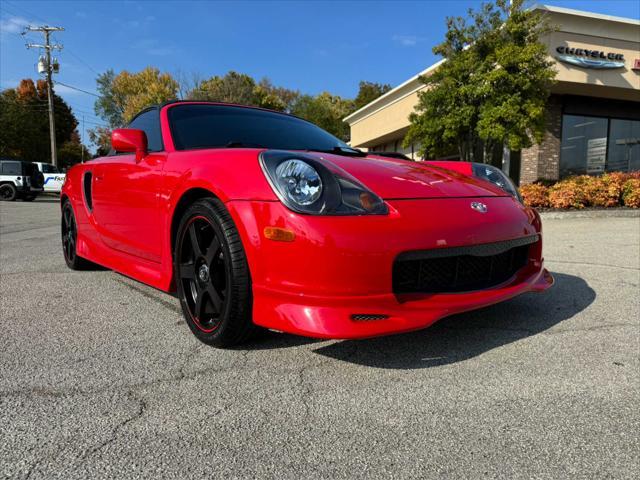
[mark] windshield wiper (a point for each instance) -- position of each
(348, 151)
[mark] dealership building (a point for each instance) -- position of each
(593, 113)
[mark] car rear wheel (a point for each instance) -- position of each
(8, 192)
(212, 275)
(69, 231)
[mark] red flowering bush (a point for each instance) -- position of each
(604, 191)
(607, 190)
(568, 193)
(535, 195)
(631, 193)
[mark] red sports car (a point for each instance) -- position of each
(259, 218)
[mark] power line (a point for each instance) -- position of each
(78, 89)
(82, 61)
(24, 12)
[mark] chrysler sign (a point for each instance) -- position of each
(582, 57)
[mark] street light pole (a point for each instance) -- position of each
(46, 30)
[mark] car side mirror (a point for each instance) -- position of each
(129, 140)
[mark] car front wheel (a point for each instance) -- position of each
(212, 275)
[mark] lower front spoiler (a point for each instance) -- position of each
(341, 317)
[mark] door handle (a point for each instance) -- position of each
(97, 178)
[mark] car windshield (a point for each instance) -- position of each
(223, 126)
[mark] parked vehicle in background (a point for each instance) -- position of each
(19, 179)
(53, 178)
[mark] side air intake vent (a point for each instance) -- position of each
(86, 183)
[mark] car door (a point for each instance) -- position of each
(126, 193)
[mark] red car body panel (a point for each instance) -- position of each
(337, 266)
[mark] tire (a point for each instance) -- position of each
(8, 192)
(69, 233)
(212, 275)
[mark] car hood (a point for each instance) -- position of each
(401, 179)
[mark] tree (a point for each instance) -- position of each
(122, 96)
(491, 90)
(101, 137)
(134, 92)
(234, 87)
(242, 89)
(24, 123)
(368, 92)
(326, 111)
(108, 106)
(72, 152)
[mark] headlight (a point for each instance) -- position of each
(299, 181)
(497, 177)
(307, 185)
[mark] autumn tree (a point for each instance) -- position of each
(491, 90)
(24, 122)
(123, 95)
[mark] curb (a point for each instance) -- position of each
(603, 213)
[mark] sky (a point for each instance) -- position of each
(311, 46)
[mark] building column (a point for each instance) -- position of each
(542, 162)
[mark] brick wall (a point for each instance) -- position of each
(542, 162)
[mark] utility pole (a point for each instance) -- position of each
(46, 30)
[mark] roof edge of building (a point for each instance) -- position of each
(415, 80)
(583, 13)
(369, 108)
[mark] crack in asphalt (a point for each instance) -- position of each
(142, 407)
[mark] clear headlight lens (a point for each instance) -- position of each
(299, 181)
(313, 186)
(497, 177)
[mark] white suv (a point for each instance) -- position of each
(19, 179)
(53, 178)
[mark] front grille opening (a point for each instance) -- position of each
(461, 269)
(365, 317)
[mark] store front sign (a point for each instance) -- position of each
(585, 58)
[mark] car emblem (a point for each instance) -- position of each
(479, 207)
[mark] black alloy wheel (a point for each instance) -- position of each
(8, 192)
(212, 276)
(69, 232)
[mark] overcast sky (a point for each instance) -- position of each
(309, 46)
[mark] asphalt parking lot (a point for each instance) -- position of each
(101, 378)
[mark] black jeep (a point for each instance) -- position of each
(19, 179)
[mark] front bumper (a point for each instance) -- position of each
(338, 270)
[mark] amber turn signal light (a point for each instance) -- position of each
(279, 234)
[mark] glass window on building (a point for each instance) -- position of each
(624, 145)
(584, 145)
(594, 145)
